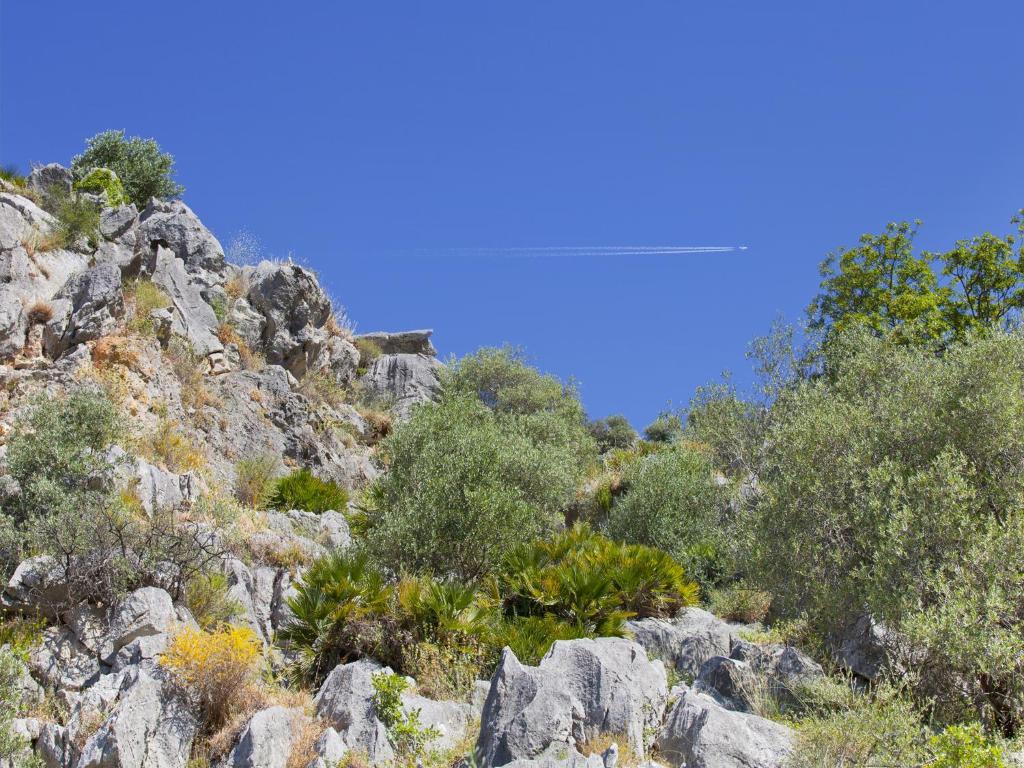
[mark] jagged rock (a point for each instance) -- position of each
(558, 755)
(699, 733)
(861, 647)
(330, 750)
(191, 316)
(38, 585)
(151, 727)
(52, 746)
(267, 740)
(172, 225)
(47, 180)
(345, 700)
(581, 688)
(686, 641)
(478, 696)
(25, 687)
(90, 305)
(115, 222)
(20, 219)
(732, 683)
(62, 662)
(404, 379)
(145, 612)
(451, 719)
(294, 309)
(776, 660)
(343, 359)
(403, 342)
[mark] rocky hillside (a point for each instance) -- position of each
(199, 467)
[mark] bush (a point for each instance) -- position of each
(143, 169)
(303, 490)
(408, 735)
(217, 669)
(170, 447)
(738, 602)
(14, 175)
(255, 479)
(892, 485)
(667, 428)
(210, 602)
(964, 746)
(465, 483)
(612, 432)
(14, 750)
(673, 502)
(368, 352)
(143, 296)
(103, 180)
(77, 218)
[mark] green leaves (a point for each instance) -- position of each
(144, 171)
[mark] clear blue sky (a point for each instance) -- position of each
(371, 138)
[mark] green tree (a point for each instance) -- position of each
(613, 432)
(144, 171)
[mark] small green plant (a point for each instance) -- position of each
(14, 750)
(368, 352)
(77, 218)
(143, 169)
(409, 736)
(12, 174)
(254, 479)
(210, 602)
(738, 602)
(965, 746)
(21, 635)
(303, 490)
(144, 296)
(100, 180)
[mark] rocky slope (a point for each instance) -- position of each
(241, 361)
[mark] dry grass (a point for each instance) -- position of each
(379, 424)
(142, 297)
(322, 387)
(237, 286)
(305, 731)
(602, 741)
(190, 370)
(169, 446)
(39, 312)
(114, 350)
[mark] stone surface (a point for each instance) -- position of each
(860, 647)
(403, 342)
(191, 316)
(404, 380)
(145, 612)
(50, 179)
(61, 661)
(699, 733)
(345, 701)
(89, 306)
(37, 586)
(580, 689)
(170, 224)
(267, 740)
(686, 641)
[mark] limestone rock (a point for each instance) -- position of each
(172, 225)
(89, 306)
(267, 740)
(404, 379)
(686, 641)
(145, 612)
(345, 700)
(192, 317)
(403, 342)
(50, 179)
(62, 662)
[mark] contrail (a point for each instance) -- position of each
(584, 250)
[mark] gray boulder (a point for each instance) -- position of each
(191, 316)
(151, 727)
(159, 490)
(685, 642)
(450, 719)
(172, 225)
(63, 662)
(558, 755)
(20, 219)
(38, 585)
(403, 342)
(116, 222)
(406, 380)
(330, 750)
(699, 733)
(294, 309)
(580, 689)
(51, 179)
(267, 740)
(861, 646)
(145, 612)
(345, 701)
(89, 306)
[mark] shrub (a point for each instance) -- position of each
(14, 750)
(612, 432)
(667, 428)
(673, 502)
(14, 175)
(170, 447)
(144, 296)
(77, 218)
(143, 169)
(218, 669)
(103, 180)
(368, 352)
(409, 736)
(303, 490)
(210, 601)
(464, 485)
(964, 746)
(255, 478)
(738, 602)
(530, 637)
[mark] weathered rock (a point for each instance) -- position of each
(25, 687)
(20, 219)
(191, 316)
(38, 585)
(861, 647)
(159, 490)
(51, 179)
(89, 306)
(558, 755)
(172, 225)
(699, 733)
(52, 746)
(294, 309)
(267, 740)
(62, 662)
(115, 222)
(145, 612)
(403, 342)
(404, 379)
(330, 750)
(580, 689)
(686, 641)
(345, 700)
(450, 719)
(151, 727)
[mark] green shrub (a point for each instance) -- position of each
(143, 169)
(368, 352)
(303, 490)
(612, 432)
(739, 602)
(12, 174)
(407, 734)
(255, 479)
(77, 218)
(667, 428)
(143, 296)
(964, 746)
(673, 502)
(100, 180)
(15, 751)
(465, 484)
(209, 600)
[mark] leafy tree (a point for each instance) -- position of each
(674, 503)
(667, 428)
(613, 432)
(144, 171)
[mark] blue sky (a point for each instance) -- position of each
(371, 139)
